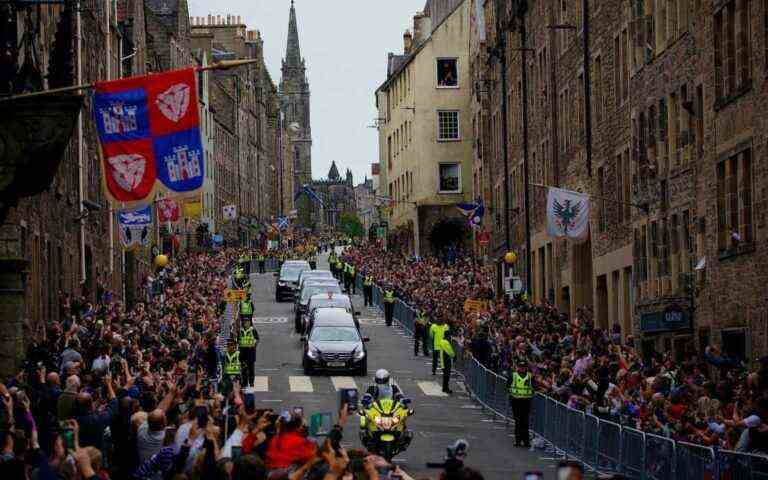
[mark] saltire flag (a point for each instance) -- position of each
(193, 208)
(167, 210)
(283, 223)
(135, 227)
(567, 214)
(149, 133)
(230, 212)
(306, 190)
(475, 212)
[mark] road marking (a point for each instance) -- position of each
(301, 384)
(260, 383)
(343, 382)
(269, 320)
(431, 389)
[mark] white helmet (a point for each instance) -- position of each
(382, 377)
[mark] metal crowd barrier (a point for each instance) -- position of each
(601, 445)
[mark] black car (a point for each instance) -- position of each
(334, 344)
(311, 287)
(326, 300)
(288, 279)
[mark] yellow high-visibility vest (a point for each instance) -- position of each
(389, 296)
(232, 363)
(247, 338)
(521, 387)
(437, 331)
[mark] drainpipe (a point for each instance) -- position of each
(80, 160)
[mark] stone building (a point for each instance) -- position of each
(425, 134)
(677, 231)
(367, 209)
(295, 105)
(338, 196)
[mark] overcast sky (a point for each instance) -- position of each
(345, 45)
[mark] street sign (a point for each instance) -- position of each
(232, 296)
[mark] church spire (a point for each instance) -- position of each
(293, 51)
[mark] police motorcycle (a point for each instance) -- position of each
(383, 429)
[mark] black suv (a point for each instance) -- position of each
(288, 279)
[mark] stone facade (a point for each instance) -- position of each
(338, 196)
(678, 234)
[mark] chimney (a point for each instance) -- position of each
(210, 19)
(407, 42)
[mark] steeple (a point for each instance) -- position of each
(293, 50)
(333, 173)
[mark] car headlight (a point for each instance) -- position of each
(359, 354)
(312, 353)
(282, 284)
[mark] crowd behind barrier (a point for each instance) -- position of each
(600, 444)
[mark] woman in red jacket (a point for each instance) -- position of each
(290, 446)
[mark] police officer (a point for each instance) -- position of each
(245, 263)
(520, 395)
(232, 367)
(246, 310)
(389, 305)
(332, 263)
(248, 340)
(420, 333)
(339, 269)
(261, 259)
(437, 333)
(347, 277)
(368, 290)
(351, 273)
(446, 360)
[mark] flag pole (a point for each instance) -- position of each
(639, 206)
(220, 65)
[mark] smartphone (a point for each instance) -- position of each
(533, 476)
(236, 452)
(298, 411)
(320, 424)
(250, 403)
(348, 396)
(69, 438)
(201, 413)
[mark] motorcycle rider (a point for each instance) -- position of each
(382, 380)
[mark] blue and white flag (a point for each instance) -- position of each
(567, 214)
(135, 227)
(474, 211)
(283, 223)
(306, 190)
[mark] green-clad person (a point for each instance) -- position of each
(389, 305)
(520, 397)
(420, 334)
(437, 333)
(446, 360)
(368, 289)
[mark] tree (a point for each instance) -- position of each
(350, 225)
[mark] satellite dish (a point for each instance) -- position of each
(295, 127)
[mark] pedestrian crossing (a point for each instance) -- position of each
(324, 385)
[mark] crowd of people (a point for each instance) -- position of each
(112, 392)
(707, 398)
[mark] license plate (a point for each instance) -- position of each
(336, 364)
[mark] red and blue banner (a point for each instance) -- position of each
(149, 130)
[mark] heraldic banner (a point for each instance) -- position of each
(149, 131)
(567, 214)
(135, 227)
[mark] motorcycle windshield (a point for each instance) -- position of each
(386, 400)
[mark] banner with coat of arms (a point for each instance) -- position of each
(149, 133)
(167, 210)
(567, 214)
(135, 227)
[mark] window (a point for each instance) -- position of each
(450, 178)
(447, 73)
(732, 49)
(687, 238)
(624, 65)
(598, 82)
(448, 125)
(617, 69)
(734, 201)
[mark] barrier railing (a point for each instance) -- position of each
(600, 444)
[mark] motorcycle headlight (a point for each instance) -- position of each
(312, 353)
(359, 354)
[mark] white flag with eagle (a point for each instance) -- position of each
(567, 214)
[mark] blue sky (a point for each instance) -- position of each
(345, 45)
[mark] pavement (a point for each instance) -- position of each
(439, 419)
